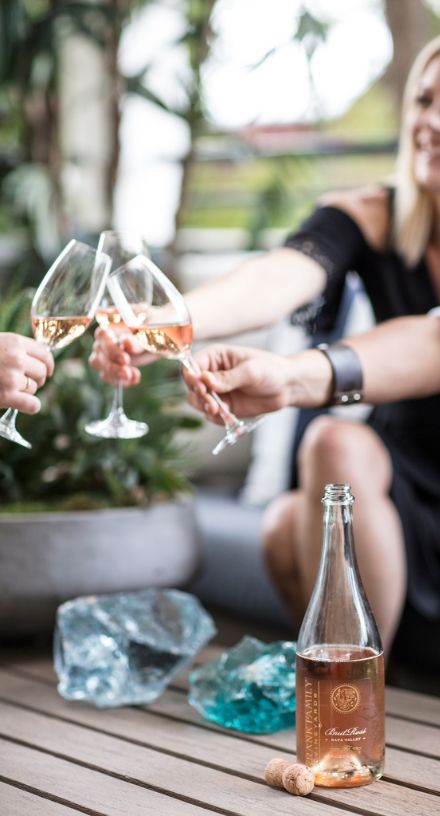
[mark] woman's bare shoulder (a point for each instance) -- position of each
(369, 207)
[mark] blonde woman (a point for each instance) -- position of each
(391, 237)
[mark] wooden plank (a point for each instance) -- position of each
(104, 793)
(401, 766)
(399, 702)
(39, 667)
(412, 769)
(408, 704)
(182, 735)
(143, 727)
(180, 777)
(394, 800)
(400, 734)
(90, 790)
(413, 737)
(17, 802)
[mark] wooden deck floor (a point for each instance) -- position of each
(59, 758)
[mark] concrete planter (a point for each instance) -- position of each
(47, 558)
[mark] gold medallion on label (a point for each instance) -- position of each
(345, 698)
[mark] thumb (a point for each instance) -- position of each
(224, 381)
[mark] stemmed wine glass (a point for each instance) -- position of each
(63, 307)
(120, 247)
(156, 313)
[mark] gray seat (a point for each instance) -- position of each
(232, 576)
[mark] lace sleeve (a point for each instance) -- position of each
(332, 239)
(306, 316)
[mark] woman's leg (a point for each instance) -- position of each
(281, 524)
(339, 451)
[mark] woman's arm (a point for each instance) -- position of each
(263, 289)
(400, 359)
(254, 382)
(258, 292)
(266, 288)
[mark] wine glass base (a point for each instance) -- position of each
(12, 434)
(119, 428)
(233, 434)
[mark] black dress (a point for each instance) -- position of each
(410, 429)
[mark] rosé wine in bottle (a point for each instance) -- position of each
(339, 665)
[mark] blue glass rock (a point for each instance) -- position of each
(249, 688)
(124, 648)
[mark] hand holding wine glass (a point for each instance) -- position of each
(157, 315)
(24, 368)
(63, 307)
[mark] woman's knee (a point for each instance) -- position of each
(334, 450)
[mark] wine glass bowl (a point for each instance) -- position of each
(121, 247)
(65, 302)
(157, 315)
(63, 307)
(152, 308)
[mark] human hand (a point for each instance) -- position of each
(118, 360)
(249, 381)
(24, 367)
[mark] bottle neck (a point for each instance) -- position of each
(338, 612)
(337, 539)
(337, 556)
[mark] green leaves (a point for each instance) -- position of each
(12, 26)
(66, 468)
(14, 312)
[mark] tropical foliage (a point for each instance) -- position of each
(68, 469)
(31, 34)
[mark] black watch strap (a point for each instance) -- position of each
(347, 373)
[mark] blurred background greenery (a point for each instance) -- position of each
(199, 123)
(70, 70)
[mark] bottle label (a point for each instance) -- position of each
(312, 725)
(340, 708)
(319, 726)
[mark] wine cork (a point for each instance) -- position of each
(273, 772)
(298, 779)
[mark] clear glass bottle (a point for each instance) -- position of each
(339, 665)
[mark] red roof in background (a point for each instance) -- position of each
(277, 138)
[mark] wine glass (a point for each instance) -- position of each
(156, 313)
(120, 247)
(63, 307)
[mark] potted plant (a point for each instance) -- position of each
(80, 515)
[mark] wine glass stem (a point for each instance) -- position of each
(118, 398)
(230, 421)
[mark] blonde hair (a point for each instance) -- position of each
(413, 212)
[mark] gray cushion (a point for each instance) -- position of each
(232, 575)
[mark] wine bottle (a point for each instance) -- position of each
(339, 664)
